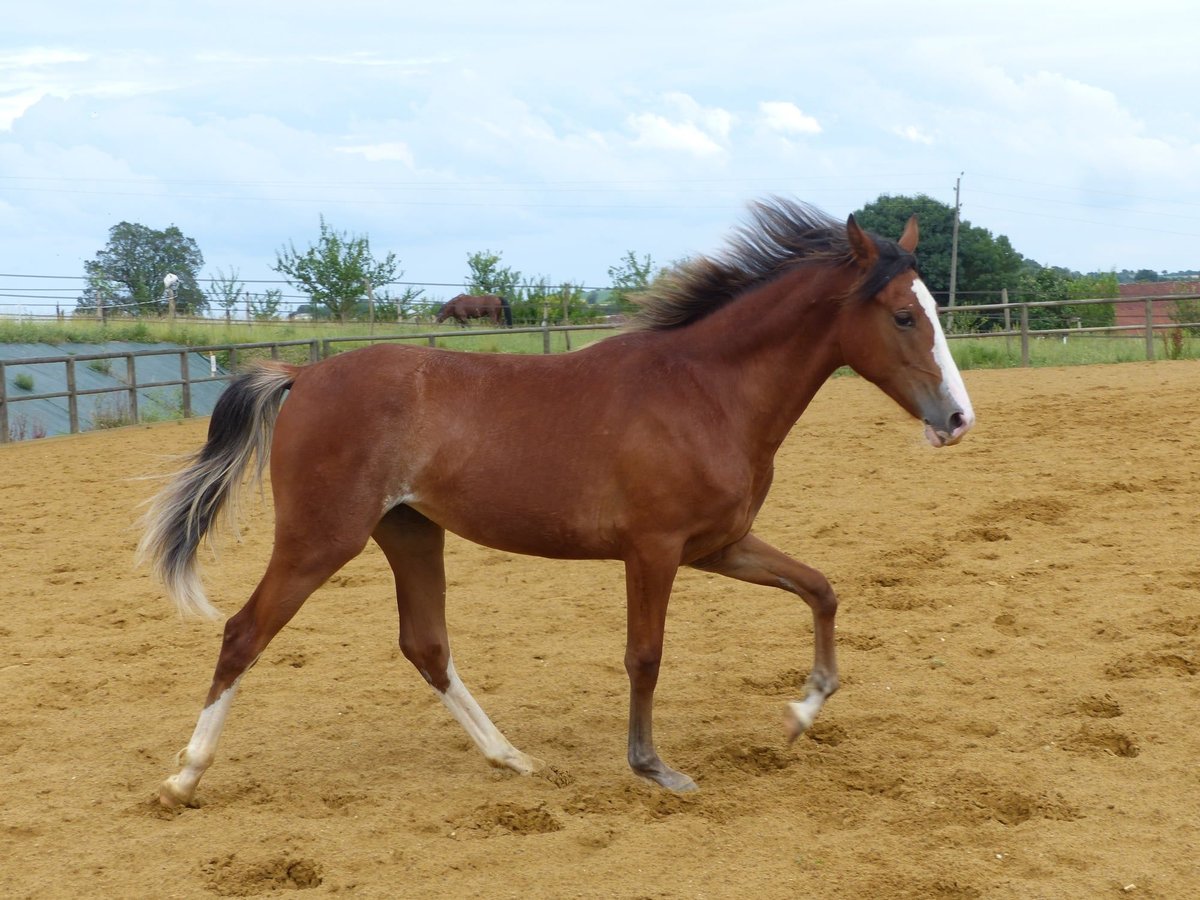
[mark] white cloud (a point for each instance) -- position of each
(712, 119)
(659, 133)
(787, 117)
(13, 106)
(688, 127)
(40, 57)
(393, 151)
(912, 133)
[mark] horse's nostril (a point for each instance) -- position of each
(957, 421)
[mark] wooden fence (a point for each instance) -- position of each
(319, 348)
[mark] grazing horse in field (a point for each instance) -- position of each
(465, 307)
(665, 464)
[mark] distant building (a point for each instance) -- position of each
(1131, 308)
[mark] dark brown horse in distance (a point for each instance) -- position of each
(465, 307)
(659, 454)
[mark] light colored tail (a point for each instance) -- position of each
(182, 514)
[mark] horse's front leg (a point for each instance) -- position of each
(757, 562)
(648, 581)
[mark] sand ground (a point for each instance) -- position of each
(1019, 714)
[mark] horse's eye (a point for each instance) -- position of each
(904, 319)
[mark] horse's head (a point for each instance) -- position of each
(890, 334)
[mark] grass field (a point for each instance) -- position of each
(970, 352)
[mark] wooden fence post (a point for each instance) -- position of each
(314, 352)
(72, 397)
(1025, 334)
(1007, 322)
(186, 375)
(131, 380)
(3, 404)
(1149, 329)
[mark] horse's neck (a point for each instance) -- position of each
(768, 353)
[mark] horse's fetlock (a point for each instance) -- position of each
(822, 683)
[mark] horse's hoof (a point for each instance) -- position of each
(679, 783)
(665, 776)
(525, 764)
(170, 797)
(798, 718)
(521, 763)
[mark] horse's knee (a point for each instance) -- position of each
(817, 592)
(825, 601)
(642, 666)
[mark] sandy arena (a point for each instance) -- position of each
(1019, 716)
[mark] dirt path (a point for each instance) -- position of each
(1019, 714)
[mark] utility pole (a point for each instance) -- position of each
(954, 254)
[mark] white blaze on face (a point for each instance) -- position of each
(952, 383)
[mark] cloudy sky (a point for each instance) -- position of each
(563, 135)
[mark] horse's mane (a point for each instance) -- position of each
(781, 235)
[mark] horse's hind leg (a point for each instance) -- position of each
(414, 548)
(297, 568)
(757, 562)
(648, 583)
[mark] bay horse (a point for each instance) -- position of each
(660, 456)
(465, 307)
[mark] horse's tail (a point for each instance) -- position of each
(184, 511)
(507, 310)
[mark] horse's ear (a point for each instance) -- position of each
(908, 240)
(861, 245)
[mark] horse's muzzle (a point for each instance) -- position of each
(945, 434)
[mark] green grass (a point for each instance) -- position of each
(1002, 353)
(193, 333)
(970, 353)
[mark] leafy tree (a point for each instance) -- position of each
(1145, 275)
(226, 290)
(336, 271)
(485, 275)
(264, 307)
(126, 277)
(887, 217)
(1041, 283)
(986, 263)
(390, 308)
(629, 277)
(570, 302)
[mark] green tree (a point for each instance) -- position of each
(485, 275)
(225, 291)
(337, 271)
(887, 217)
(1045, 283)
(264, 307)
(629, 277)
(986, 263)
(126, 277)
(570, 302)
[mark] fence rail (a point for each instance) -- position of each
(322, 347)
(318, 348)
